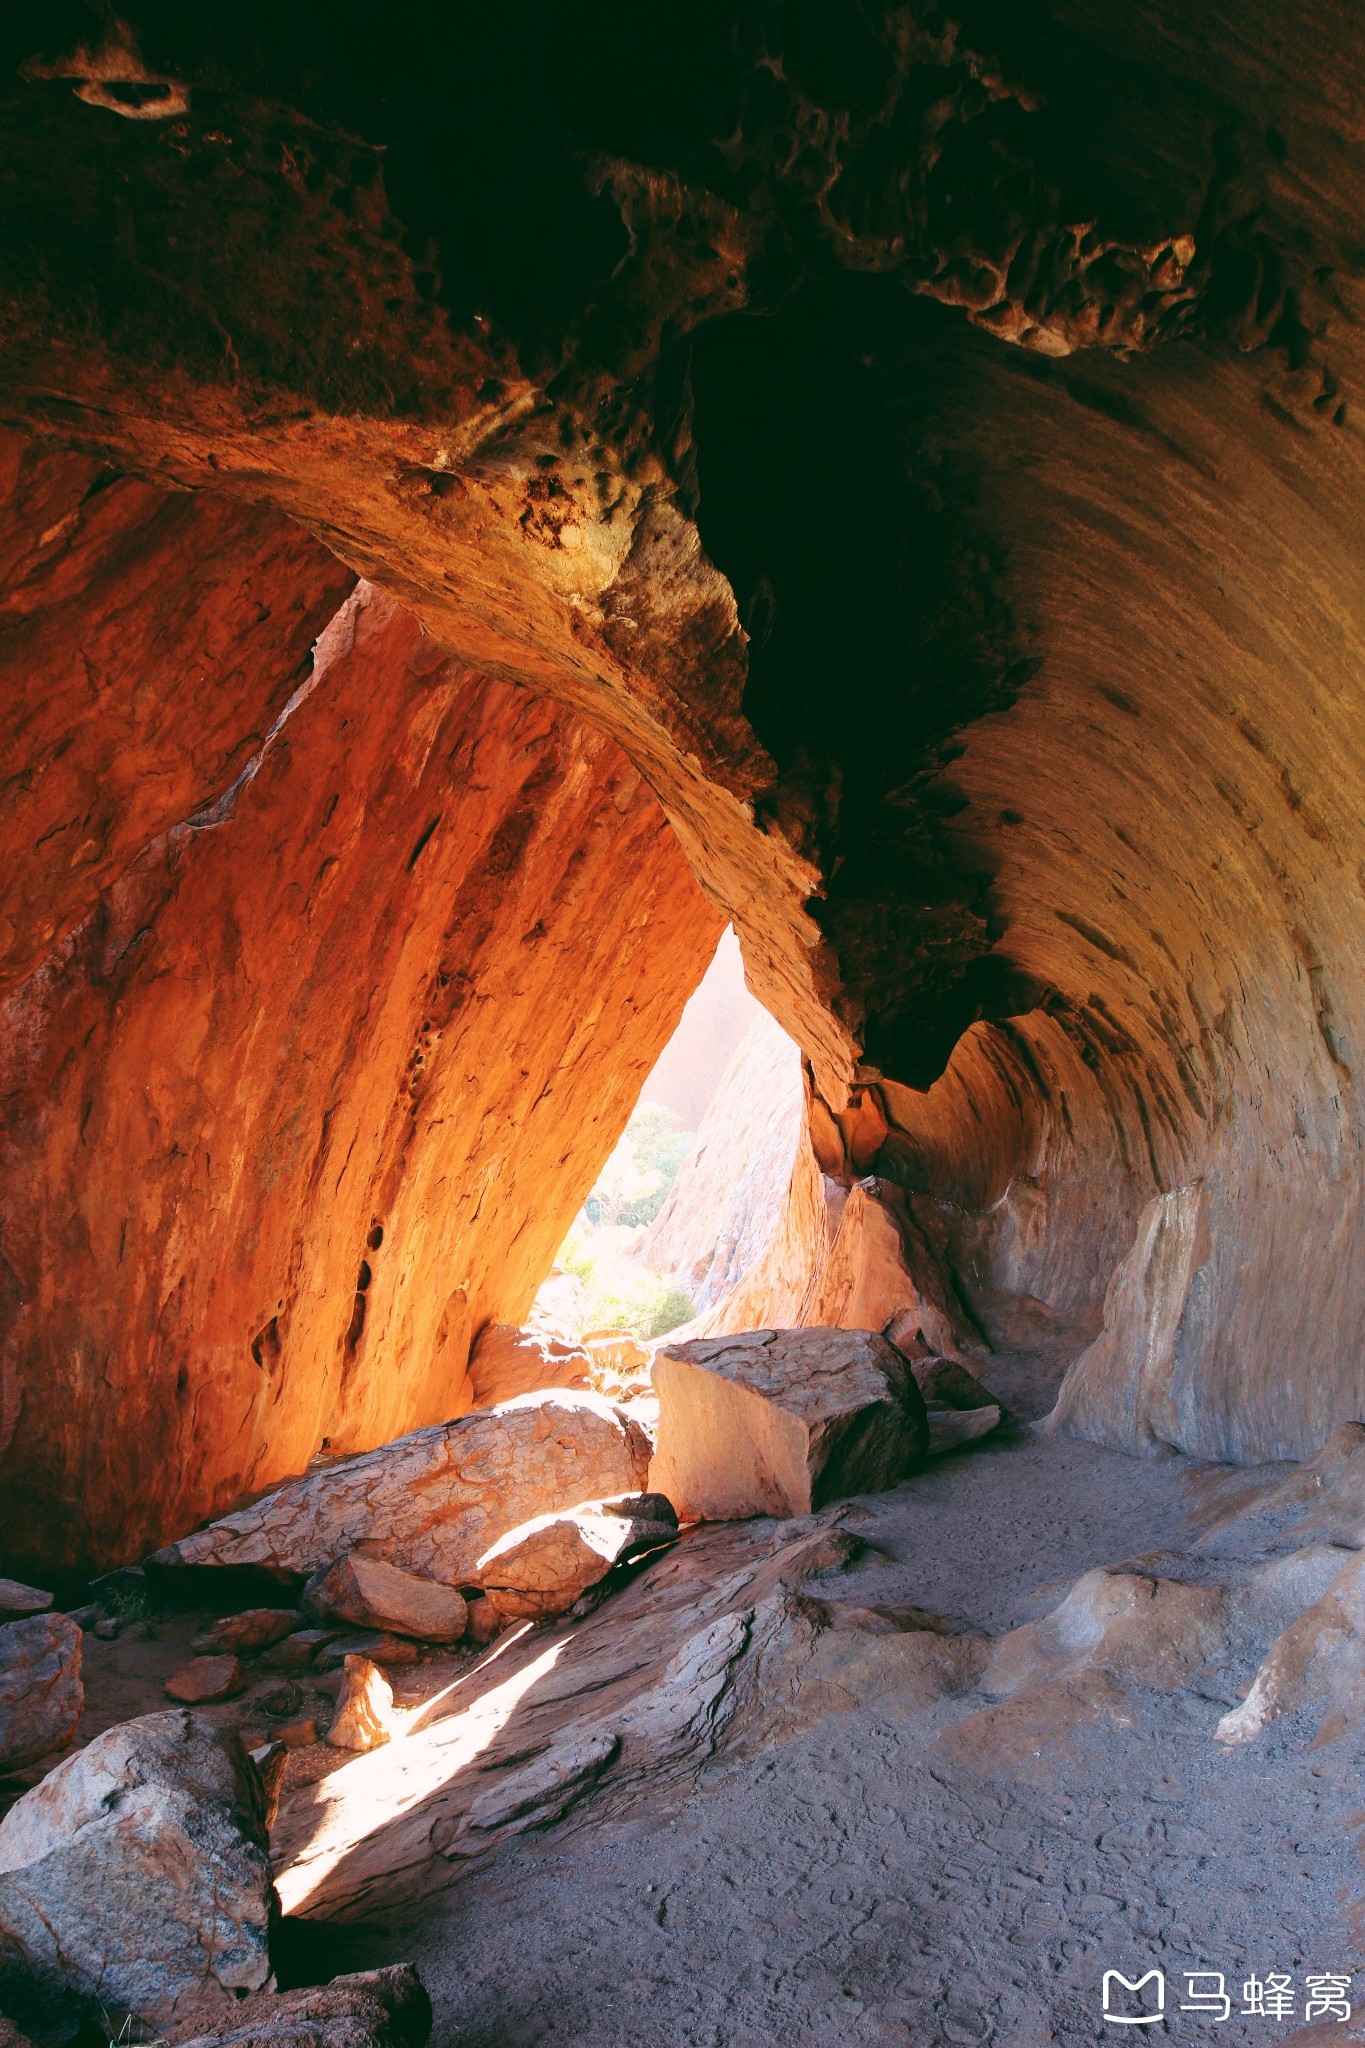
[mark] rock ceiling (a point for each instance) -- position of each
(918, 457)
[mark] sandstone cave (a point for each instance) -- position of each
(545, 551)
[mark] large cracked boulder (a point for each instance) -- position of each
(433, 1502)
(372, 1594)
(542, 1568)
(135, 1880)
(41, 1695)
(777, 1422)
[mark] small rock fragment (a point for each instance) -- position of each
(87, 1616)
(108, 1628)
(377, 1644)
(254, 1629)
(299, 1733)
(206, 1679)
(484, 1621)
(281, 1703)
(364, 1717)
(17, 1599)
(41, 1695)
(297, 1652)
(270, 1759)
(373, 1594)
(950, 1428)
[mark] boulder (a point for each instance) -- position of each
(254, 1629)
(948, 1383)
(507, 1361)
(299, 1733)
(18, 1599)
(206, 1679)
(135, 1880)
(951, 1428)
(376, 1643)
(542, 1568)
(373, 1594)
(364, 1715)
(484, 1621)
(433, 1502)
(373, 2009)
(41, 1695)
(777, 1422)
(297, 1652)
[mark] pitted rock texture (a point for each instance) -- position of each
(135, 1880)
(777, 1422)
(432, 1503)
(317, 1089)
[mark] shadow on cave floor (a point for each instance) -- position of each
(858, 1864)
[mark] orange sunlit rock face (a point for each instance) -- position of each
(314, 1092)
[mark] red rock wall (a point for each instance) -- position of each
(148, 639)
(315, 1090)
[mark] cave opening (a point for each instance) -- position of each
(756, 710)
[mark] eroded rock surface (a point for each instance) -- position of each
(41, 1694)
(432, 1502)
(370, 2009)
(135, 1880)
(337, 1208)
(781, 1421)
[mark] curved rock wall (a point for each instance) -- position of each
(314, 1090)
(1006, 698)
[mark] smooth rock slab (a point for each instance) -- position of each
(41, 1695)
(18, 1599)
(433, 1502)
(136, 1879)
(373, 1594)
(777, 1422)
(545, 1566)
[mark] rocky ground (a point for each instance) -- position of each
(753, 1799)
(897, 1873)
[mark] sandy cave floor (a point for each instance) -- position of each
(886, 1873)
(861, 1883)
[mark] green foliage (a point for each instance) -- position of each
(633, 1185)
(619, 1294)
